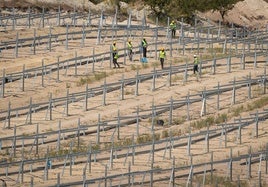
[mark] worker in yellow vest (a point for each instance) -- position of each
(172, 27)
(162, 56)
(130, 52)
(144, 45)
(115, 55)
(196, 62)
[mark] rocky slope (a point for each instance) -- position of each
(249, 13)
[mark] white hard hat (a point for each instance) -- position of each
(194, 55)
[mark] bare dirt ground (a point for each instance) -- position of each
(127, 106)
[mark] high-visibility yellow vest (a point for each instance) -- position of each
(162, 54)
(116, 56)
(129, 45)
(144, 43)
(172, 26)
(114, 48)
(196, 61)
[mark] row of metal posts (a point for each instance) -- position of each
(213, 69)
(230, 164)
(42, 80)
(78, 131)
(188, 148)
(16, 52)
(78, 134)
(133, 150)
(93, 63)
(43, 73)
(191, 173)
(172, 177)
(83, 35)
(67, 102)
(228, 60)
(138, 79)
(30, 17)
(37, 137)
(204, 97)
(43, 66)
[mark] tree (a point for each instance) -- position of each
(223, 6)
(188, 8)
(159, 7)
(176, 8)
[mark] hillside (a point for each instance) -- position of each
(249, 13)
(68, 118)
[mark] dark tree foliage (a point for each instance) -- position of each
(223, 6)
(159, 7)
(188, 8)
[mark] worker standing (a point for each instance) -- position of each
(144, 45)
(196, 62)
(115, 55)
(162, 56)
(172, 27)
(130, 52)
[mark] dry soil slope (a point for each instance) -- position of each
(249, 13)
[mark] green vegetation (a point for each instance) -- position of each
(159, 7)
(188, 8)
(155, 64)
(177, 77)
(232, 112)
(133, 67)
(220, 181)
(147, 138)
(145, 66)
(236, 111)
(118, 144)
(178, 121)
(259, 103)
(223, 6)
(177, 9)
(165, 134)
(207, 122)
(129, 91)
(89, 79)
(144, 138)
